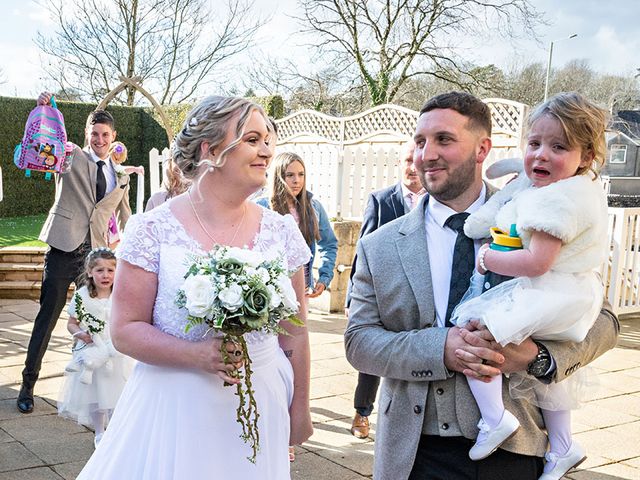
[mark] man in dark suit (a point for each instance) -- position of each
(86, 197)
(382, 206)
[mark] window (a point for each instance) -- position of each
(618, 154)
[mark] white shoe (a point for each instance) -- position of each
(557, 466)
(97, 438)
(489, 439)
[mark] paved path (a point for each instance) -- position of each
(43, 446)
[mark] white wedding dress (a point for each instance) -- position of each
(177, 423)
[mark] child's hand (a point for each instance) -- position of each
(84, 336)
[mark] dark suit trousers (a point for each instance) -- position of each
(365, 395)
(447, 458)
(60, 269)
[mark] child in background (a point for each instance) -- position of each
(97, 373)
(118, 154)
(559, 209)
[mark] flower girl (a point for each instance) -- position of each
(96, 374)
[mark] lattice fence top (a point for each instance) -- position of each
(507, 117)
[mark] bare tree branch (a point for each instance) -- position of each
(391, 41)
(175, 46)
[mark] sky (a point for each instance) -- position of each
(607, 37)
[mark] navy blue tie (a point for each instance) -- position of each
(463, 263)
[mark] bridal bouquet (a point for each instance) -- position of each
(236, 291)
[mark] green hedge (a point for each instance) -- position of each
(136, 128)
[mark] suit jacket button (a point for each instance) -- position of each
(445, 426)
(414, 373)
(429, 373)
(440, 391)
(417, 409)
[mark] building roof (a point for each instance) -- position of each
(627, 122)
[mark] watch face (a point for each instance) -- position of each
(539, 367)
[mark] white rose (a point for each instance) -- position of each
(200, 295)
(276, 299)
(231, 297)
(289, 298)
(243, 255)
(264, 274)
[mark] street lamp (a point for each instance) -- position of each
(546, 83)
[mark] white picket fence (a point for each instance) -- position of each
(621, 273)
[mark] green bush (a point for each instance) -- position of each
(135, 126)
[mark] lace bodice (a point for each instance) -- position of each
(157, 242)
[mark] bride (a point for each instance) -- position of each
(175, 418)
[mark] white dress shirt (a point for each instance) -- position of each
(441, 242)
(411, 199)
(108, 169)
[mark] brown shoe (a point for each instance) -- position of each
(360, 426)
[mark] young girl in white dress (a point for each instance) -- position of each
(97, 373)
(559, 208)
(176, 419)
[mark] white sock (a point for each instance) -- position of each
(489, 399)
(98, 418)
(558, 423)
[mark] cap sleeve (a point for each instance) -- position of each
(141, 246)
(297, 250)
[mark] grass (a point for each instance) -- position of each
(21, 231)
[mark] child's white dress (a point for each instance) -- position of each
(563, 303)
(180, 423)
(78, 399)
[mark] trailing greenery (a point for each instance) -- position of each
(21, 231)
(136, 128)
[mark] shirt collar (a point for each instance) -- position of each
(406, 192)
(440, 212)
(96, 158)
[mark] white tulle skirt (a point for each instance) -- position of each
(175, 424)
(78, 400)
(553, 306)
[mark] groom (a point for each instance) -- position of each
(403, 292)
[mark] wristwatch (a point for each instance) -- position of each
(540, 365)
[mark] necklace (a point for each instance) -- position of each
(195, 212)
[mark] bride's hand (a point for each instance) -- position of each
(301, 426)
(211, 360)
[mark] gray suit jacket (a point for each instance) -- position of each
(75, 214)
(392, 334)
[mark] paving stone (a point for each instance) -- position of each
(30, 428)
(616, 471)
(42, 473)
(63, 448)
(9, 410)
(69, 470)
(14, 456)
(312, 466)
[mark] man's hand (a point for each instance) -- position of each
(44, 99)
(459, 356)
(317, 290)
(510, 358)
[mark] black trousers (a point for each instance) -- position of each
(60, 269)
(447, 458)
(365, 395)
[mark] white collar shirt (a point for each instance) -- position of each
(109, 170)
(441, 241)
(411, 199)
